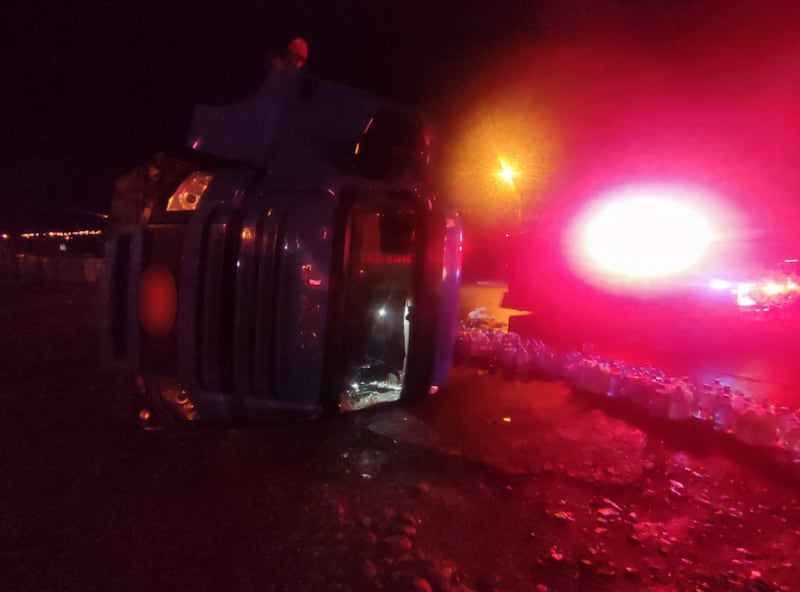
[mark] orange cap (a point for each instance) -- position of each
(298, 48)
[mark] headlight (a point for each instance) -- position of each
(646, 237)
(188, 194)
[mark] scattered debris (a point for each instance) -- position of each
(564, 516)
(556, 553)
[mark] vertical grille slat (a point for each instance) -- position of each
(269, 247)
(208, 325)
(217, 297)
(246, 305)
(283, 325)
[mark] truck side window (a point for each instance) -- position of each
(379, 289)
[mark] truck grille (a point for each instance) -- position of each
(240, 266)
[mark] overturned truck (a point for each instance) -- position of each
(292, 261)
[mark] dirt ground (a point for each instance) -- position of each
(490, 485)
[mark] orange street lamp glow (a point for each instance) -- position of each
(503, 154)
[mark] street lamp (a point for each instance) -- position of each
(507, 174)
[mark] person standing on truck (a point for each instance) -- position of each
(136, 192)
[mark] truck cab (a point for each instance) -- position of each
(292, 261)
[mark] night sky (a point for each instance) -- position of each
(91, 88)
(94, 87)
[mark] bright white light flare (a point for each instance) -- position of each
(718, 285)
(646, 237)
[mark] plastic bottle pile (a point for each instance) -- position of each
(717, 406)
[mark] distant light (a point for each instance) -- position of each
(382, 312)
(743, 297)
(717, 284)
(772, 289)
(745, 300)
(790, 260)
(67, 235)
